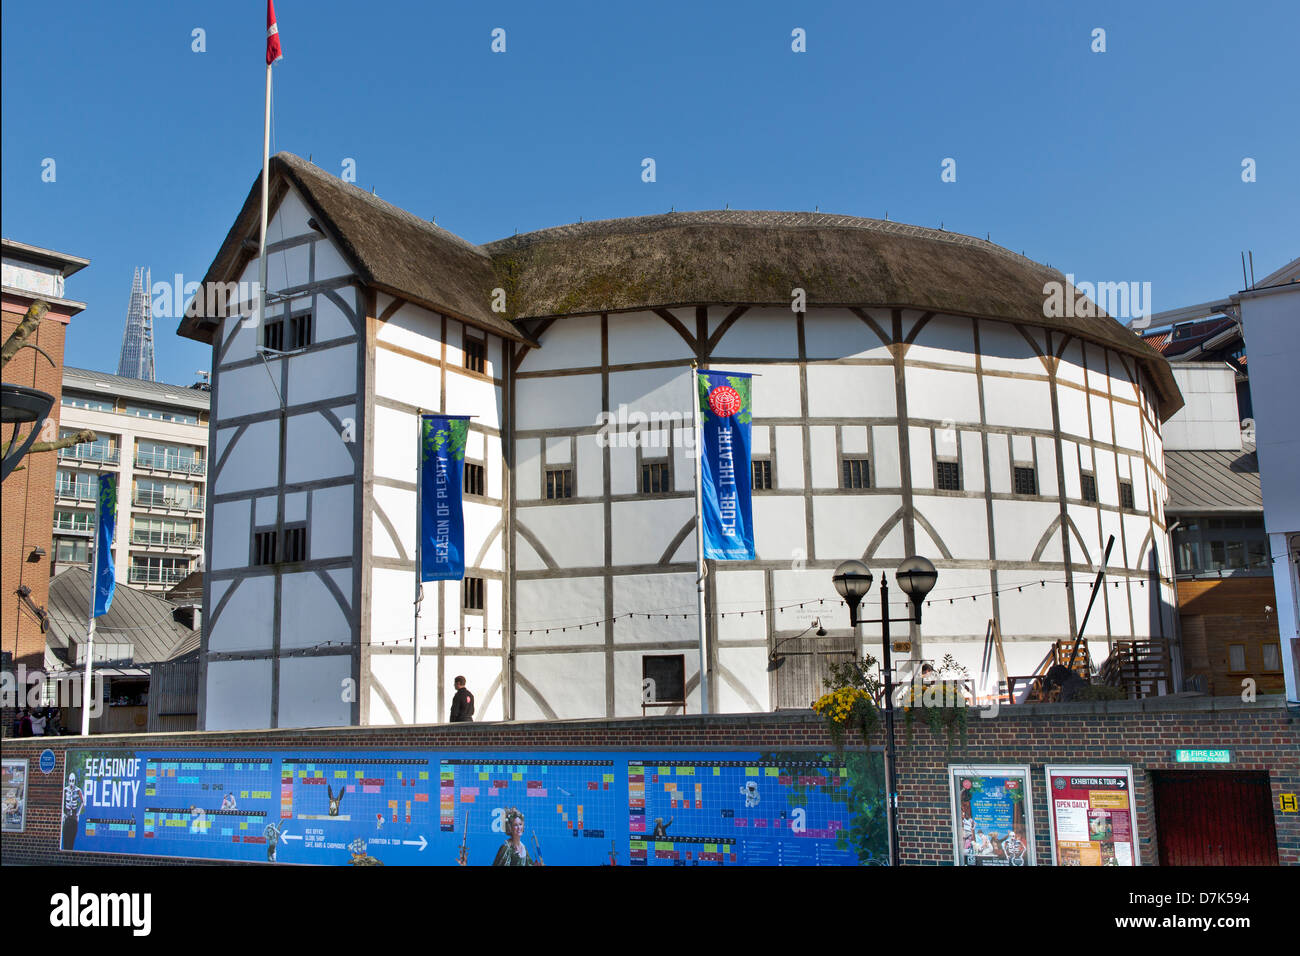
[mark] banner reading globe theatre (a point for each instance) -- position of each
(726, 409)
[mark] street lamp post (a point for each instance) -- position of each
(916, 577)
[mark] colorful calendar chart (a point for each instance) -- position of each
(580, 808)
(570, 804)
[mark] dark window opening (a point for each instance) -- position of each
(1126, 494)
(295, 543)
(473, 593)
(856, 473)
(559, 483)
(762, 475)
(947, 475)
(273, 334)
(264, 548)
(299, 331)
(475, 477)
(655, 478)
(1026, 481)
(475, 355)
(1088, 486)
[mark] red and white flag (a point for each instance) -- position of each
(272, 35)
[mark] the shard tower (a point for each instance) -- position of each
(137, 340)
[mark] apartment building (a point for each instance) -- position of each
(155, 436)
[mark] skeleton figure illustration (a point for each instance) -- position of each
(750, 792)
(335, 801)
(198, 820)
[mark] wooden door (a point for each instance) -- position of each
(1214, 818)
(797, 681)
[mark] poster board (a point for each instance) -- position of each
(992, 815)
(650, 807)
(1093, 816)
(13, 795)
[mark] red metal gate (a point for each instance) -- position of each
(1214, 818)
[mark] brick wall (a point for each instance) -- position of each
(1262, 736)
(28, 495)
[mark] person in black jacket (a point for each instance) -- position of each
(462, 705)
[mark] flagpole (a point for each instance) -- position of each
(90, 630)
(699, 540)
(419, 556)
(266, 163)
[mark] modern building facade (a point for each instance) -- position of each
(31, 273)
(915, 395)
(155, 438)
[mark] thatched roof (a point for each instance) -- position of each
(680, 259)
(390, 249)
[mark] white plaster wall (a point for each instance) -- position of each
(483, 677)
(407, 380)
(789, 457)
(316, 448)
(312, 691)
(467, 395)
(1017, 402)
(760, 333)
(229, 535)
(398, 506)
(779, 528)
(845, 524)
(634, 336)
(309, 614)
(852, 391)
(571, 684)
(243, 391)
(941, 394)
(572, 534)
(960, 522)
(666, 594)
(573, 401)
(569, 343)
(238, 695)
(642, 530)
(245, 621)
(318, 375)
(838, 333)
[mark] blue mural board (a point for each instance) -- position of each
(581, 808)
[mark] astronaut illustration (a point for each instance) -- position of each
(750, 792)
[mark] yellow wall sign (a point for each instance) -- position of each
(1288, 803)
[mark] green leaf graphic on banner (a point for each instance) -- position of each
(459, 428)
(702, 381)
(742, 385)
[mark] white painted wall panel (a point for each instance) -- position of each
(960, 522)
(483, 678)
(572, 534)
(760, 333)
(311, 692)
(1020, 525)
(972, 461)
(555, 604)
(331, 528)
(398, 506)
(746, 667)
(789, 456)
(245, 621)
(922, 457)
(779, 524)
(838, 333)
(569, 343)
(316, 448)
(845, 524)
(886, 471)
(329, 263)
(238, 695)
(571, 402)
(1003, 348)
(1017, 402)
(407, 380)
(740, 590)
(824, 459)
(941, 395)
(473, 396)
(395, 444)
(670, 594)
(229, 535)
(851, 391)
(528, 469)
(946, 339)
(411, 327)
(242, 339)
(642, 530)
(315, 376)
(243, 391)
(999, 464)
(634, 336)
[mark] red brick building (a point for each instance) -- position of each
(32, 273)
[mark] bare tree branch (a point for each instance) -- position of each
(31, 321)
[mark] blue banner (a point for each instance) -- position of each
(725, 416)
(442, 518)
(440, 808)
(105, 576)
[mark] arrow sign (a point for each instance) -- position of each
(421, 843)
(285, 836)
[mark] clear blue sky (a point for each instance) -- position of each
(1115, 166)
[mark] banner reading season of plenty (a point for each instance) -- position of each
(726, 411)
(442, 519)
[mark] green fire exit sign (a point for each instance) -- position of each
(1203, 756)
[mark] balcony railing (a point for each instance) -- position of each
(76, 492)
(66, 527)
(163, 462)
(163, 499)
(91, 454)
(158, 575)
(165, 539)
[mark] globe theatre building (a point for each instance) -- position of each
(911, 397)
